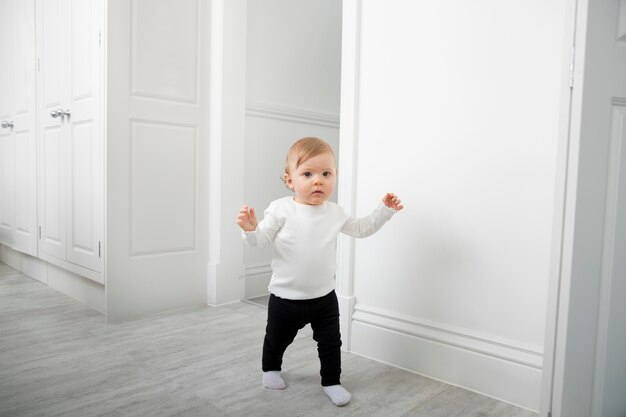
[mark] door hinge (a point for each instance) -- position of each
(571, 67)
(99, 39)
(39, 232)
(99, 250)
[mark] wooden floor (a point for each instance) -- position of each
(59, 358)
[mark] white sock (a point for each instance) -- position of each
(338, 395)
(273, 380)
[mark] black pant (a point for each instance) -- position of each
(286, 317)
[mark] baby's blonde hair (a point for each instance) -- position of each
(304, 149)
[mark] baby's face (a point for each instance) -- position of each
(314, 180)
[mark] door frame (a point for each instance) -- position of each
(564, 177)
(576, 321)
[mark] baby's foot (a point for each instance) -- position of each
(338, 395)
(272, 380)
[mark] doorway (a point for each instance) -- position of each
(293, 76)
(268, 117)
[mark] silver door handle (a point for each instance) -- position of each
(60, 113)
(7, 124)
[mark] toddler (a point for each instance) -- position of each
(303, 230)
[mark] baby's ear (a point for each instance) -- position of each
(288, 182)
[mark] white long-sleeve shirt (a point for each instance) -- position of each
(304, 241)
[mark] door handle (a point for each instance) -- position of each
(60, 113)
(7, 124)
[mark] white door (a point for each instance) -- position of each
(84, 191)
(156, 187)
(18, 205)
(52, 149)
(24, 130)
(70, 138)
(589, 372)
(7, 144)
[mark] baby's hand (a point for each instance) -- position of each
(392, 201)
(247, 219)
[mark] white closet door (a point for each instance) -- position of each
(84, 202)
(24, 131)
(156, 187)
(7, 145)
(51, 146)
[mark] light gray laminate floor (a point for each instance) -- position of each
(59, 358)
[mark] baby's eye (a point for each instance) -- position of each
(327, 173)
(307, 174)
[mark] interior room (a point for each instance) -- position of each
(134, 130)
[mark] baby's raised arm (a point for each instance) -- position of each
(368, 225)
(392, 201)
(247, 219)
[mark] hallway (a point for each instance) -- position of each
(59, 358)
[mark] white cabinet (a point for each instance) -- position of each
(70, 134)
(149, 125)
(18, 153)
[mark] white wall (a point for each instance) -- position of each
(294, 53)
(292, 90)
(458, 112)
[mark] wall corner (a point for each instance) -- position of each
(227, 112)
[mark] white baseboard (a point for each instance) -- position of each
(500, 369)
(257, 279)
(11, 257)
(346, 309)
(82, 289)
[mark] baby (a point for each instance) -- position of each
(303, 230)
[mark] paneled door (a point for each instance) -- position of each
(71, 196)
(84, 189)
(18, 208)
(25, 126)
(7, 143)
(156, 185)
(52, 53)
